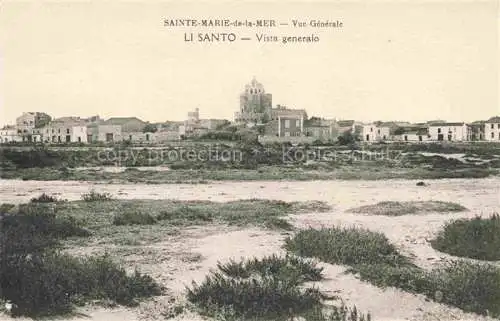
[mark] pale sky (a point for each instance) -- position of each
(392, 60)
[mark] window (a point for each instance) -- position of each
(68, 138)
(287, 123)
(378, 131)
(492, 135)
(492, 126)
(147, 136)
(59, 130)
(297, 123)
(371, 129)
(79, 139)
(67, 130)
(287, 134)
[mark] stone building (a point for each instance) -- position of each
(290, 126)
(492, 129)
(64, 130)
(28, 122)
(446, 131)
(9, 134)
(255, 104)
(375, 132)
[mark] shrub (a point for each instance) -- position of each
(257, 288)
(348, 246)
(272, 265)
(94, 196)
(471, 286)
(34, 228)
(475, 238)
(48, 284)
(133, 218)
(255, 297)
(40, 281)
(6, 207)
(44, 198)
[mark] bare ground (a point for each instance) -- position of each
(177, 260)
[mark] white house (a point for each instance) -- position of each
(450, 132)
(8, 135)
(375, 132)
(412, 136)
(492, 129)
(104, 133)
(64, 131)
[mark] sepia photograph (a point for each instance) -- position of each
(305, 160)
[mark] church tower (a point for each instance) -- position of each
(255, 104)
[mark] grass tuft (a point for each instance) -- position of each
(132, 217)
(94, 196)
(44, 198)
(391, 208)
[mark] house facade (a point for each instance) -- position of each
(492, 129)
(290, 126)
(9, 135)
(28, 122)
(450, 132)
(104, 133)
(64, 131)
(478, 130)
(375, 133)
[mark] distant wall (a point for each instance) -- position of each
(289, 139)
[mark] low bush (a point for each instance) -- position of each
(267, 288)
(192, 212)
(391, 208)
(477, 238)
(471, 286)
(6, 207)
(40, 281)
(36, 227)
(348, 246)
(44, 198)
(94, 196)
(133, 218)
(49, 284)
(272, 265)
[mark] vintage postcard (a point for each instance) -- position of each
(249, 160)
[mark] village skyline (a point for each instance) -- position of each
(117, 59)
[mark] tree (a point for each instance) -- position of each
(399, 131)
(150, 128)
(347, 138)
